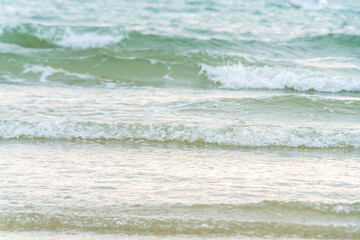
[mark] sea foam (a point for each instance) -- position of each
(86, 40)
(39, 36)
(238, 136)
(46, 71)
(248, 77)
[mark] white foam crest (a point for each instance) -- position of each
(47, 71)
(309, 4)
(246, 77)
(76, 38)
(9, 78)
(87, 40)
(247, 136)
(335, 208)
(9, 48)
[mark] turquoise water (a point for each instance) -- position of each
(180, 119)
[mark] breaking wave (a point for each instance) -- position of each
(249, 77)
(81, 37)
(38, 36)
(237, 136)
(267, 218)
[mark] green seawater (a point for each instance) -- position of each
(180, 119)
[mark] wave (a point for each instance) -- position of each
(267, 218)
(112, 72)
(81, 37)
(296, 104)
(108, 56)
(39, 36)
(236, 136)
(115, 71)
(38, 222)
(249, 77)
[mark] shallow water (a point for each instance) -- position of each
(179, 120)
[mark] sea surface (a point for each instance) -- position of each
(187, 119)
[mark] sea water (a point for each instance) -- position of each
(183, 119)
